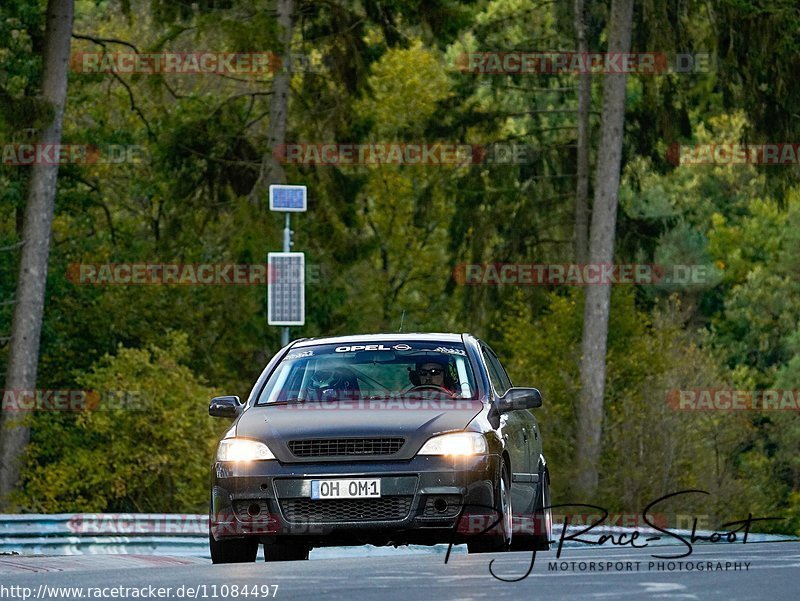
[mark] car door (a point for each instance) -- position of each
(515, 431)
(530, 428)
(533, 441)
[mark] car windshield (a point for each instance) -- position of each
(373, 371)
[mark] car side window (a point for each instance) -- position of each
(503, 373)
(497, 374)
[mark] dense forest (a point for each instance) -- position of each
(178, 173)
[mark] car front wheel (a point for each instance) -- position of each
(239, 550)
(285, 552)
(498, 538)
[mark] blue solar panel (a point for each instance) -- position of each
(286, 289)
(287, 198)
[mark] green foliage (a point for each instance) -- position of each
(144, 443)
(406, 86)
(650, 448)
(721, 217)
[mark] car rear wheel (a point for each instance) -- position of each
(544, 517)
(239, 550)
(499, 538)
(539, 531)
(285, 552)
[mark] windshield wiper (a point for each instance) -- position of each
(286, 402)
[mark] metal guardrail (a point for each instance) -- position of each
(186, 535)
(80, 533)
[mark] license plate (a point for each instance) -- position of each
(346, 489)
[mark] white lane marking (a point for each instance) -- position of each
(661, 587)
(663, 590)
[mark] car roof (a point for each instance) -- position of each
(405, 337)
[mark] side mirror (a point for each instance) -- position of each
(225, 406)
(520, 398)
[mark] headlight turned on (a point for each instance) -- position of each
(239, 449)
(458, 443)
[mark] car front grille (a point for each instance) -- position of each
(385, 509)
(345, 447)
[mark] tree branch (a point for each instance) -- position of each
(535, 112)
(252, 95)
(524, 89)
(11, 247)
(135, 108)
(103, 41)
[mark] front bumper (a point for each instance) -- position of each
(422, 501)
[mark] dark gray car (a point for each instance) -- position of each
(379, 439)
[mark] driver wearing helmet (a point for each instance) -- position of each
(432, 373)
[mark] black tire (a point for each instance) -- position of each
(285, 551)
(484, 543)
(237, 550)
(542, 519)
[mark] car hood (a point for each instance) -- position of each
(414, 421)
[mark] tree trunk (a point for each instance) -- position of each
(601, 250)
(582, 159)
(26, 325)
(271, 169)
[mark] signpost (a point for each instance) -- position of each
(286, 283)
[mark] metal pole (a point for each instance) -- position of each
(287, 237)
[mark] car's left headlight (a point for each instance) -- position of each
(241, 449)
(457, 443)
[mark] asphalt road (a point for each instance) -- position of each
(772, 574)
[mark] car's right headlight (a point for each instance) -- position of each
(457, 443)
(241, 449)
